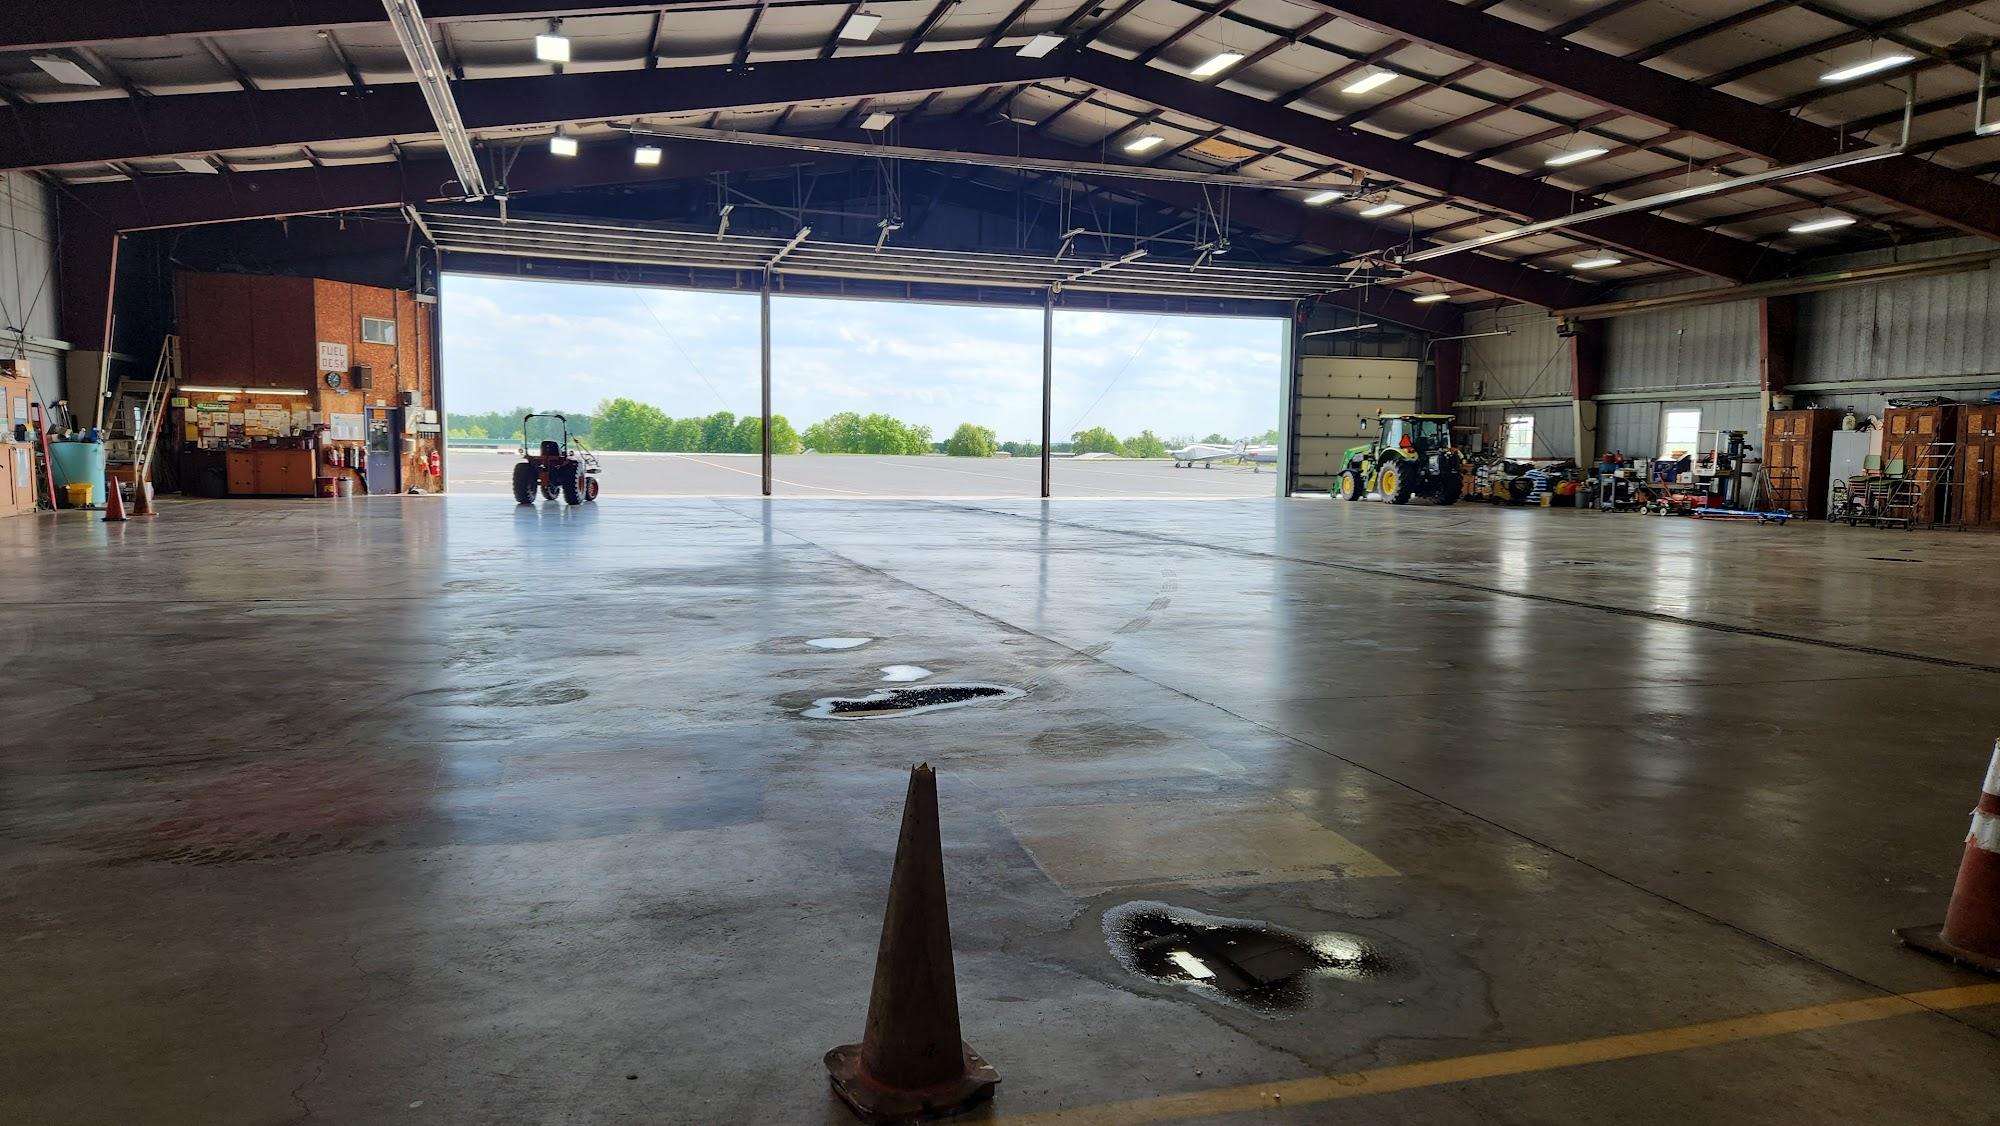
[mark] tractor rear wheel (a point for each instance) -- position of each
(566, 480)
(1395, 481)
(1350, 485)
(589, 487)
(1449, 488)
(524, 483)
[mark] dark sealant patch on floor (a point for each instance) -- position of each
(1243, 962)
(890, 702)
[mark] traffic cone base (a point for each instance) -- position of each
(911, 1063)
(873, 1101)
(1970, 933)
(142, 499)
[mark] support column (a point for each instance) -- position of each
(764, 369)
(1777, 345)
(87, 259)
(1048, 380)
(1288, 402)
(1586, 380)
(1447, 375)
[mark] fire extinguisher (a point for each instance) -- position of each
(436, 464)
(333, 456)
(361, 457)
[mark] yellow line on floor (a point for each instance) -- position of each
(1548, 1057)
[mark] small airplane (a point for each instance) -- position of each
(1206, 454)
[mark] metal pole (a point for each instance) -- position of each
(1288, 401)
(764, 348)
(1048, 379)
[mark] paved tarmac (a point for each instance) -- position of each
(820, 475)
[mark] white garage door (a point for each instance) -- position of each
(1334, 394)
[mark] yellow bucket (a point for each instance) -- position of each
(79, 494)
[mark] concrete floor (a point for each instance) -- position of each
(488, 472)
(436, 810)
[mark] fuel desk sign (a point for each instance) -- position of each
(332, 356)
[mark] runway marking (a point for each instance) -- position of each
(1520, 1061)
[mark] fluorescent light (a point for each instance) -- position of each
(1318, 198)
(62, 70)
(1597, 263)
(242, 390)
(1431, 298)
(1147, 143)
(859, 27)
(1381, 209)
(1040, 45)
(1191, 965)
(552, 48)
(1370, 82)
(878, 121)
(1862, 69)
(1218, 64)
(562, 146)
(1575, 156)
(196, 164)
(1830, 223)
(647, 156)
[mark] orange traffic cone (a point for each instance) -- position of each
(1970, 934)
(911, 1063)
(142, 498)
(114, 502)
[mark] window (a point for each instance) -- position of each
(1680, 433)
(1520, 437)
(378, 330)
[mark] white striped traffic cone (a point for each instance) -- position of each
(1971, 931)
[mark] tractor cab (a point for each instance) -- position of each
(1417, 434)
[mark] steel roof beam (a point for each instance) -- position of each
(1944, 195)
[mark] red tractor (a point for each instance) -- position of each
(563, 467)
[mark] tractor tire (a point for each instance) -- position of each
(1449, 489)
(1395, 481)
(566, 481)
(1351, 488)
(549, 492)
(589, 487)
(524, 483)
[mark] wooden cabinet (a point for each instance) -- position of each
(1908, 434)
(1977, 464)
(287, 473)
(17, 479)
(1797, 448)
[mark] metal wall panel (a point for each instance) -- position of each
(1706, 346)
(1531, 363)
(28, 280)
(1920, 328)
(1554, 429)
(1634, 428)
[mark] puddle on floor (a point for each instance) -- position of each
(1236, 961)
(890, 702)
(838, 642)
(904, 674)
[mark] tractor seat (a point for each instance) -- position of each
(551, 449)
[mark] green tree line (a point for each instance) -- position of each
(625, 424)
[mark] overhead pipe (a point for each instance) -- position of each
(1786, 287)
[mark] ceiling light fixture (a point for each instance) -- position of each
(1147, 143)
(1575, 156)
(552, 48)
(1875, 65)
(242, 390)
(859, 27)
(648, 156)
(1830, 223)
(62, 70)
(1040, 45)
(1318, 198)
(197, 164)
(1338, 331)
(1431, 298)
(878, 121)
(1373, 81)
(1597, 263)
(1381, 209)
(560, 145)
(1218, 64)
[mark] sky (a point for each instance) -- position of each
(555, 345)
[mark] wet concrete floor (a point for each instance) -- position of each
(429, 810)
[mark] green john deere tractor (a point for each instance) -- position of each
(1411, 456)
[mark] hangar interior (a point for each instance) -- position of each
(334, 791)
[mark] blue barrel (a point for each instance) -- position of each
(78, 463)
